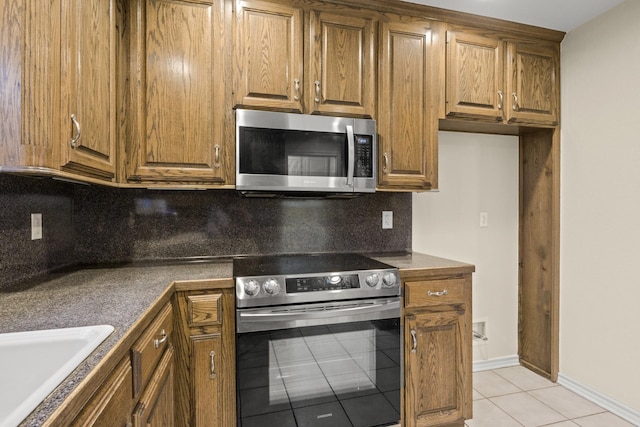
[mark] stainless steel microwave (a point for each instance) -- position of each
(284, 152)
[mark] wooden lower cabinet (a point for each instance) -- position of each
(111, 406)
(156, 406)
(205, 363)
(437, 335)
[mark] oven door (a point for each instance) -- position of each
(320, 365)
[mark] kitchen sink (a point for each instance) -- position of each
(34, 363)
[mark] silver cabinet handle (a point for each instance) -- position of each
(216, 163)
(297, 87)
(386, 163)
(501, 101)
(516, 107)
(317, 98)
(76, 137)
(415, 341)
(157, 342)
(437, 294)
(212, 374)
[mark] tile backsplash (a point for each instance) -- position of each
(94, 224)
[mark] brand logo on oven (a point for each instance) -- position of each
(330, 414)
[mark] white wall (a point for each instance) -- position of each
(477, 173)
(600, 205)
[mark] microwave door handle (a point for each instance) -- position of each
(352, 155)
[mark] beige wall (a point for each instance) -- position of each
(600, 205)
(478, 173)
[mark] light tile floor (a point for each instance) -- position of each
(516, 397)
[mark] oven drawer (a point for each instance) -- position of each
(434, 292)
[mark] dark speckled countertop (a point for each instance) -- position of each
(119, 296)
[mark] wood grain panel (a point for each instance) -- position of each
(434, 391)
(533, 78)
(207, 382)
(88, 82)
(417, 293)
(113, 404)
(475, 75)
(341, 56)
(156, 405)
(268, 55)
(538, 291)
(179, 115)
(204, 310)
(407, 124)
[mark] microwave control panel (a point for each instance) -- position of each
(364, 157)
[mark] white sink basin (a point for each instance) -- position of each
(32, 364)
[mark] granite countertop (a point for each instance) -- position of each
(119, 296)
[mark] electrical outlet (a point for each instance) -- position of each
(36, 226)
(387, 220)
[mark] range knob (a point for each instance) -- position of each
(373, 280)
(251, 287)
(389, 279)
(271, 286)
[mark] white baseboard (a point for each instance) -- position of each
(500, 362)
(611, 405)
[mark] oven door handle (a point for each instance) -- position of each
(318, 313)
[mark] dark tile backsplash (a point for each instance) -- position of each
(93, 224)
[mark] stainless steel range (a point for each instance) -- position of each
(318, 341)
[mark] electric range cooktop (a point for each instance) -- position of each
(290, 279)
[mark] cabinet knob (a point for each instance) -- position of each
(516, 107)
(76, 137)
(415, 341)
(501, 100)
(386, 163)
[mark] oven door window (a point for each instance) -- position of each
(335, 375)
(293, 152)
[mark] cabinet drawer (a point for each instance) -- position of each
(146, 352)
(204, 310)
(434, 292)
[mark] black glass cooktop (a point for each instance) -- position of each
(303, 264)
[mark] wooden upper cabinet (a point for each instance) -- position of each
(314, 61)
(532, 83)
(475, 76)
(88, 131)
(512, 81)
(179, 111)
(268, 55)
(407, 97)
(341, 72)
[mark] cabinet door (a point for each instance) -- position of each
(178, 112)
(532, 83)
(434, 369)
(207, 380)
(156, 406)
(341, 72)
(88, 134)
(475, 77)
(111, 405)
(407, 124)
(268, 55)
